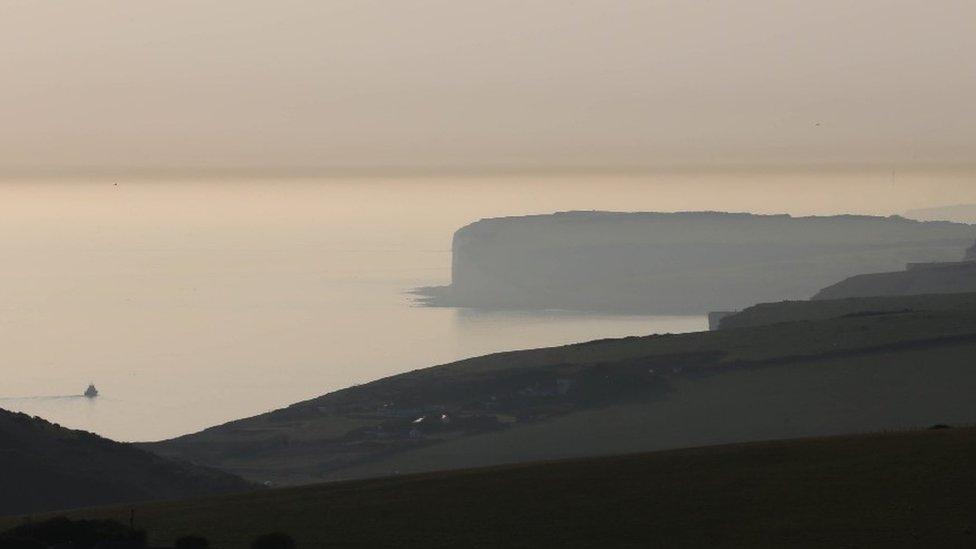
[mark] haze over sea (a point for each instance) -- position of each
(193, 301)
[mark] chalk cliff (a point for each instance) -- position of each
(689, 262)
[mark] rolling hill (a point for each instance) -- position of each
(906, 489)
(765, 314)
(45, 467)
(936, 278)
(832, 374)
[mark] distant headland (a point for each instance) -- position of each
(678, 263)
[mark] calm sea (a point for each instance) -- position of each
(193, 302)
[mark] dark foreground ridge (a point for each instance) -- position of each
(44, 467)
(908, 489)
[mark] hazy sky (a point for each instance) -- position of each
(494, 83)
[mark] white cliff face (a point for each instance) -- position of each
(662, 263)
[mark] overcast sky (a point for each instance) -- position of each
(485, 84)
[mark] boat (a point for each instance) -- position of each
(91, 391)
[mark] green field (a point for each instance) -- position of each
(908, 489)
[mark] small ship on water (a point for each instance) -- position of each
(91, 391)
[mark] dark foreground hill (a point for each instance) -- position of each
(855, 371)
(910, 489)
(685, 262)
(44, 467)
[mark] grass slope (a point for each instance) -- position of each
(765, 314)
(949, 278)
(905, 389)
(909, 489)
(44, 467)
(812, 377)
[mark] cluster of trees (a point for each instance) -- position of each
(109, 534)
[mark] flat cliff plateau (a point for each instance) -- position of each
(678, 263)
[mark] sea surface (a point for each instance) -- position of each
(194, 301)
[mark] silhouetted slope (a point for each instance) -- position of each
(44, 466)
(911, 489)
(949, 278)
(856, 372)
(689, 262)
(796, 311)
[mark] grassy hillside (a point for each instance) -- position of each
(827, 376)
(44, 467)
(795, 311)
(904, 389)
(948, 278)
(910, 489)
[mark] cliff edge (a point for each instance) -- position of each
(672, 263)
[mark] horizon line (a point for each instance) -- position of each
(393, 171)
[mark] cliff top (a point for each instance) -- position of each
(711, 225)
